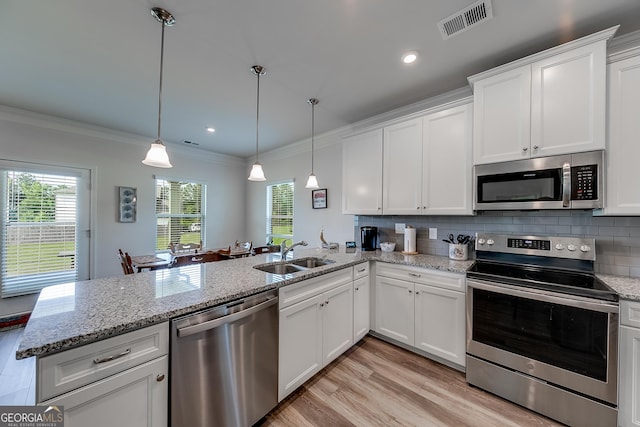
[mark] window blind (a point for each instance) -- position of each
(39, 229)
(179, 212)
(279, 212)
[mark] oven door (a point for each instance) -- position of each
(567, 341)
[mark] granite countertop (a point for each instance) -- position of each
(78, 313)
(626, 287)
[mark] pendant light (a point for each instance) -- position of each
(312, 182)
(256, 171)
(157, 154)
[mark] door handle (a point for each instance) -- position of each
(566, 184)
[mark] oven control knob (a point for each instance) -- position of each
(559, 246)
(490, 242)
(481, 242)
(585, 248)
(571, 247)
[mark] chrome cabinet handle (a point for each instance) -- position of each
(110, 358)
(160, 377)
(357, 289)
(525, 148)
(415, 275)
(321, 304)
(362, 271)
(417, 292)
(410, 291)
(535, 147)
(326, 302)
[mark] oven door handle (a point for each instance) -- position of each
(518, 291)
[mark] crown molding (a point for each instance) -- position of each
(624, 47)
(49, 122)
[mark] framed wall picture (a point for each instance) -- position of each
(319, 198)
(128, 202)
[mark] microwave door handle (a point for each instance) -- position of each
(566, 184)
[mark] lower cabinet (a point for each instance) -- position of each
(629, 369)
(422, 308)
(361, 311)
(136, 397)
(121, 381)
(316, 330)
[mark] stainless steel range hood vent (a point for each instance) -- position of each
(468, 17)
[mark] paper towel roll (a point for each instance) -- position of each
(409, 239)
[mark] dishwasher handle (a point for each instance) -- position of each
(214, 323)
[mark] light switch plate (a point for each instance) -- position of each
(400, 228)
(433, 233)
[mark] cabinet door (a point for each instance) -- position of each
(300, 344)
(137, 397)
(502, 116)
(361, 306)
(394, 309)
(629, 409)
(623, 150)
(446, 162)
(337, 319)
(568, 102)
(362, 174)
(440, 323)
(402, 168)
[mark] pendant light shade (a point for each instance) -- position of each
(257, 174)
(157, 154)
(312, 182)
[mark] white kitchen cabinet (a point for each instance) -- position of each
(361, 308)
(563, 111)
(447, 162)
(623, 150)
(440, 322)
(316, 326)
(137, 397)
(362, 173)
(629, 369)
(423, 309)
(121, 380)
(402, 168)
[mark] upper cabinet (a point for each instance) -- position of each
(426, 165)
(362, 173)
(623, 150)
(546, 104)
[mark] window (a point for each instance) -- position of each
(44, 230)
(179, 212)
(279, 212)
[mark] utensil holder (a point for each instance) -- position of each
(459, 251)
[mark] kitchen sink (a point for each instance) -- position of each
(293, 266)
(310, 262)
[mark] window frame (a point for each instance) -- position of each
(269, 237)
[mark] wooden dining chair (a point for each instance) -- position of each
(125, 262)
(266, 249)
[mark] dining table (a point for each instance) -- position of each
(167, 259)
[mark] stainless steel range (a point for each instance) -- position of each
(542, 330)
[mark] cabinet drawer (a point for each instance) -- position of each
(630, 313)
(360, 270)
(71, 369)
(311, 287)
(441, 279)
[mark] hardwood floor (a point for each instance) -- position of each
(372, 384)
(378, 384)
(17, 377)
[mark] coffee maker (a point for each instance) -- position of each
(368, 238)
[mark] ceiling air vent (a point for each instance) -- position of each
(468, 17)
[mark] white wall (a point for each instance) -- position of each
(294, 162)
(115, 158)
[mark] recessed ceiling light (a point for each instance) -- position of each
(210, 130)
(410, 57)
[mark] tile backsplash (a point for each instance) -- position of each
(617, 238)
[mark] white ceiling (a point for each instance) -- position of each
(98, 61)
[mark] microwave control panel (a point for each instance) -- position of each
(584, 182)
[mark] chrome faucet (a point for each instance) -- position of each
(284, 250)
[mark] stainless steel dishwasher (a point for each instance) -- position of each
(224, 363)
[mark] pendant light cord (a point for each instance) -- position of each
(257, 114)
(313, 106)
(160, 89)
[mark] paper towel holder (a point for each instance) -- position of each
(409, 241)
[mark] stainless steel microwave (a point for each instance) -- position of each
(571, 181)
